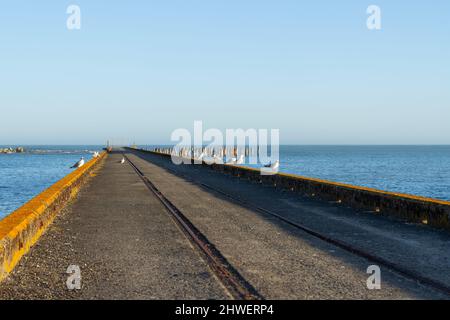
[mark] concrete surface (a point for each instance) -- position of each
(124, 242)
(129, 248)
(22, 228)
(282, 261)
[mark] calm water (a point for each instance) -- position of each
(419, 170)
(22, 176)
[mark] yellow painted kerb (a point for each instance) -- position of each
(23, 227)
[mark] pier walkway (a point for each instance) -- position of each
(128, 245)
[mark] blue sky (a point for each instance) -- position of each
(137, 70)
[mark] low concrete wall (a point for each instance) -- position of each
(22, 228)
(411, 208)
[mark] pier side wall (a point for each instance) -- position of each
(23, 227)
(411, 208)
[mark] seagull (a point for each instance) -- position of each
(231, 161)
(234, 160)
(201, 156)
(218, 159)
(122, 161)
(273, 166)
(79, 163)
(96, 154)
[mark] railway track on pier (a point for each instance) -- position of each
(233, 282)
(392, 266)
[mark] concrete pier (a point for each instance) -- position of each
(128, 247)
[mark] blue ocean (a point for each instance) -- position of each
(24, 175)
(417, 170)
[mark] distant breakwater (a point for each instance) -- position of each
(12, 150)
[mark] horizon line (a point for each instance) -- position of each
(283, 144)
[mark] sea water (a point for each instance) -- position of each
(417, 170)
(24, 175)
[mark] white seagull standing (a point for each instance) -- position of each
(241, 159)
(201, 156)
(218, 159)
(234, 160)
(79, 163)
(273, 166)
(122, 161)
(231, 161)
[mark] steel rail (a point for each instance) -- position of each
(412, 275)
(236, 285)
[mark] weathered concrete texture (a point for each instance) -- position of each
(22, 228)
(279, 260)
(415, 209)
(125, 243)
(129, 248)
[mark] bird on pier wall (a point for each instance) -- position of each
(201, 156)
(122, 161)
(239, 160)
(273, 166)
(232, 161)
(79, 164)
(218, 159)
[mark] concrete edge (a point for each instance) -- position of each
(20, 230)
(417, 209)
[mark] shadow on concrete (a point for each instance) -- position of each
(416, 247)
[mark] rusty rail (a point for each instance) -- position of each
(234, 283)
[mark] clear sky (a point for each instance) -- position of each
(138, 70)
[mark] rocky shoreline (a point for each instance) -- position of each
(12, 150)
